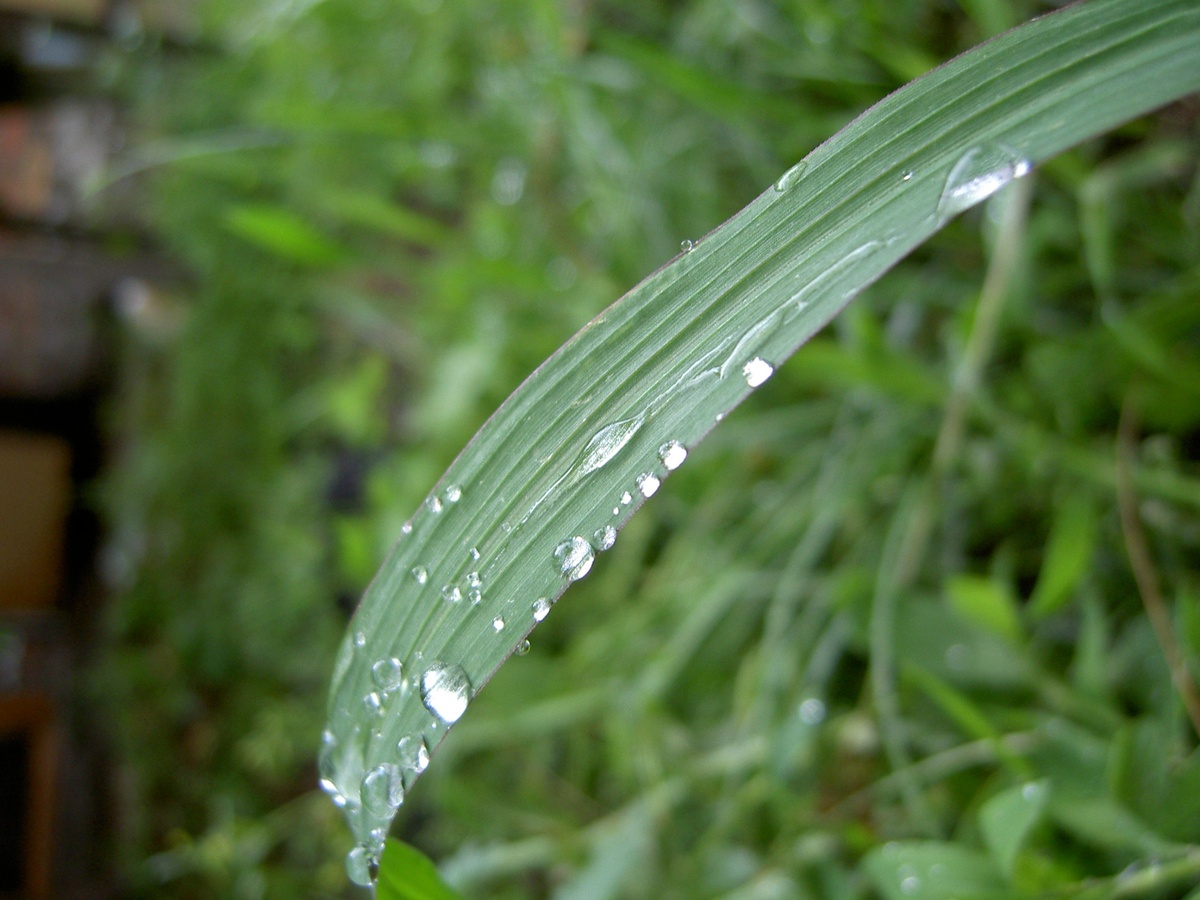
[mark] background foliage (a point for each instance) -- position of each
(829, 660)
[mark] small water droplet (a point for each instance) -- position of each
(757, 371)
(978, 174)
(626, 498)
(413, 753)
(382, 790)
(812, 711)
(791, 177)
(373, 703)
(906, 175)
(605, 537)
(648, 483)
(607, 443)
(360, 866)
(616, 510)
(445, 690)
(420, 574)
(406, 528)
(453, 493)
(575, 557)
(498, 623)
(475, 596)
(522, 648)
(473, 579)
(474, 553)
(452, 593)
(686, 246)
(672, 454)
(541, 609)
(388, 674)
(360, 639)
(434, 505)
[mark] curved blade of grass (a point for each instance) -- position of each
(552, 476)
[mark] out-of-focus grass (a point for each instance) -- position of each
(763, 683)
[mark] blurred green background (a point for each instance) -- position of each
(391, 212)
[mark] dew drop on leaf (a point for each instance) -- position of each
(605, 537)
(420, 574)
(360, 640)
(382, 790)
(686, 246)
(575, 557)
(453, 493)
(445, 690)
(498, 623)
(541, 609)
(373, 703)
(523, 648)
(360, 865)
(672, 454)
(648, 483)
(388, 674)
(452, 593)
(607, 443)
(978, 174)
(791, 177)
(757, 371)
(413, 753)
(434, 505)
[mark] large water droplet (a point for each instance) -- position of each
(791, 177)
(382, 790)
(607, 443)
(605, 537)
(672, 454)
(388, 674)
(575, 556)
(445, 690)
(413, 753)
(648, 483)
(978, 174)
(420, 574)
(757, 371)
(541, 609)
(360, 866)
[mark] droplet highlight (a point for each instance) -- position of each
(420, 574)
(978, 174)
(605, 537)
(672, 454)
(791, 177)
(541, 609)
(498, 624)
(445, 691)
(413, 753)
(648, 483)
(757, 371)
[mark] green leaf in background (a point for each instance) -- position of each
(1007, 818)
(931, 870)
(405, 873)
(1068, 551)
(986, 602)
(553, 476)
(281, 232)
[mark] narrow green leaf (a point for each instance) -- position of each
(282, 233)
(405, 873)
(551, 478)
(987, 603)
(1007, 818)
(1068, 552)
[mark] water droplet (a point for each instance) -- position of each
(605, 537)
(474, 553)
(473, 579)
(616, 510)
(388, 674)
(360, 866)
(360, 639)
(607, 443)
(978, 174)
(420, 574)
(406, 528)
(498, 623)
(648, 483)
(475, 596)
(382, 790)
(413, 753)
(906, 175)
(452, 593)
(686, 246)
(373, 703)
(541, 609)
(575, 556)
(672, 454)
(626, 498)
(791, 177)
(812, 711)
(453, 493)
(445, 690)
(757, 371)
(434, 505)
(522, 648)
